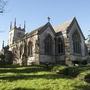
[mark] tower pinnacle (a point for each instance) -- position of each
(10, 25)
(24, 24)
(3, 44)
(15, 23)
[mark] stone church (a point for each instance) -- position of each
(62, 44)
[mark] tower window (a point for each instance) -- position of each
(10, 37)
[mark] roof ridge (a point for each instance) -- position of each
(63, 26)
(37, 29)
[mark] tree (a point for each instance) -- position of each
(2, 5)
(6, 56)
(2, 8)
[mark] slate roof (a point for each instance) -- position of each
(40, 29)
(62, 27)
(66, 26)
(59, 28)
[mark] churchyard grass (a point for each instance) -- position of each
(41, 78)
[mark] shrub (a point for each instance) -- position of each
(87, 78)
(2, 59)
(58, 69)
(71, 71)
(68, 71)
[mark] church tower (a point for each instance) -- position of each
(15, 33)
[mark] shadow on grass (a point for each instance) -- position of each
(87, 78)
(83, 68)
(23, 89)
(82, 87)
(29, 89)
(24, 70)
(27, 77)
(32, 69)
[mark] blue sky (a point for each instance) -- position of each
(35, 13)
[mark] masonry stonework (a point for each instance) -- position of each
(48, 44)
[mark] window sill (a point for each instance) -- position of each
(76, 54)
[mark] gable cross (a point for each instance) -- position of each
(48, 19)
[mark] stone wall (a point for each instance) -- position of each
(43, 56)
(24, 59)
(73, 56)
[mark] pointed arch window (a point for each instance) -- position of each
(76, 43)
(25, 49)
(48, 45)
(30, 51)
(21, 49)
(60, 46)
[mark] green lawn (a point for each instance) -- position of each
(39, 78)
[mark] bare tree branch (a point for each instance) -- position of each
(2, 8)
(2, 5)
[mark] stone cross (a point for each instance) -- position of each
(48, 19)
